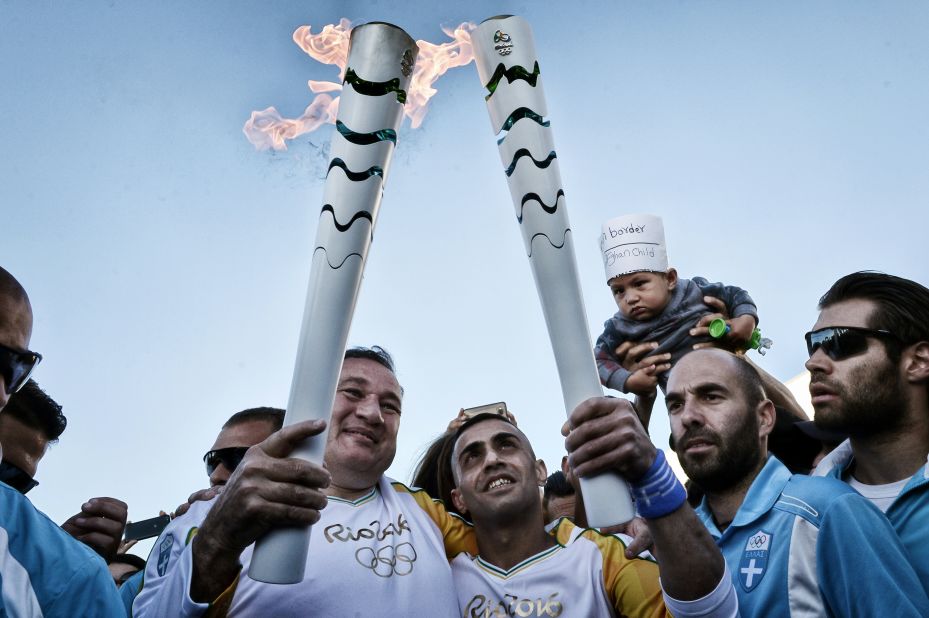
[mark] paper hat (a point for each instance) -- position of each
(633, 243)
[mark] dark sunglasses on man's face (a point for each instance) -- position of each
(230, 457)
(16, 366)
(16, 478)
(840, 342)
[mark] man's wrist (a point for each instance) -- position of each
(215, 566)
(658, 492)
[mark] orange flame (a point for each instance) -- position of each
(267, 129)
(431, 64)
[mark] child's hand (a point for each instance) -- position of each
(741, 329)
(643, 382)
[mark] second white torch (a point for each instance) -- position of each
(506, 62)
(380, 62)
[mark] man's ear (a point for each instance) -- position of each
(541, 471)
(916, 363)
(766, 417)
(671, 275)
(458, 501)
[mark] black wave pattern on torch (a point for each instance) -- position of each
(519, 114)
(340, 264)
(364, 214)
(366, 139)
(374, 89)
(524, 152)
(536, 198)
(374, 170)
(511, 74)
(545, 236)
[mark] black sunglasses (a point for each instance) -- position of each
(230, 457)
(16, 367)
(839, 342)
(16, 478)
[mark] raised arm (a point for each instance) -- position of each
(605, 434)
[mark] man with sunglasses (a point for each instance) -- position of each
(869, 376)
(43, 571)
(243, 430)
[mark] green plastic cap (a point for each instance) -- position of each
(718, 328)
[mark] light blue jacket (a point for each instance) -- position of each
(45, 572)
(806, 546)
(909, 513)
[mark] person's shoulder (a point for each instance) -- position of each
(29, 529)
(57, 564)
(813, 497)
(434, 507)
(566, 533)
(819, 488)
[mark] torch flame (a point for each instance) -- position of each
(329, 46)
(267, 129)
(431, 64)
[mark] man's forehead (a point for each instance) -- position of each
(366, 371)
(488, 430)
(852, 312)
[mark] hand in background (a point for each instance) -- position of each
(99, 525)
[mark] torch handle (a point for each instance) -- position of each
(380, 63)
(606, 496)
(280, 556)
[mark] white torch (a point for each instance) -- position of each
(507, 65)
(380, 62)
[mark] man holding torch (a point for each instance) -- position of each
(378, 548)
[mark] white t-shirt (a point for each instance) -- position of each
(585, 574)
(381, 555)
(882, 496)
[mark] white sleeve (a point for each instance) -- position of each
(166, 583)
(721, 603)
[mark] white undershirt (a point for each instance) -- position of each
(882, 496)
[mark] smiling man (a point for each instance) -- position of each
(795, 545)
(869, 378)
(522, 570)
(377, 547)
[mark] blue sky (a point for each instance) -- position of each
(783, 143)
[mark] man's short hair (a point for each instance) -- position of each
(750, 381)
(557, 486)
(375, 353)
(34, 408)
(274, 416)
(130, 559)
(902, 305)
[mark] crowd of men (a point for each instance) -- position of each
(849, 539)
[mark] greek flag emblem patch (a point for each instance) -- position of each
(754, 561)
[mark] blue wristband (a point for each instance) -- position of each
(658, 492)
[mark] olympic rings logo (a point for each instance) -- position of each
(758, 540)
(388, 560)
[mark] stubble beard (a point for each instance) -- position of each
(738, 455)
(869, 405)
